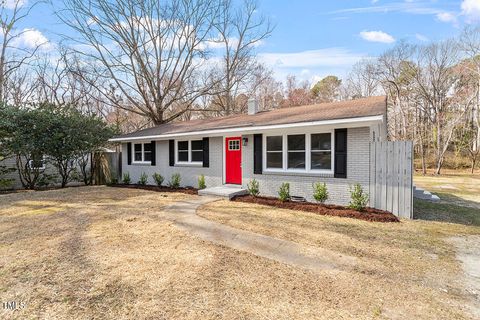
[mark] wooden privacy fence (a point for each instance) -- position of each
(391, 186)
(106, 167)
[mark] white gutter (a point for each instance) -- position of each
(353, 121)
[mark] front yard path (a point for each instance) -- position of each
(183, 213)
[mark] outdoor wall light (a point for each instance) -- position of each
(245, 141)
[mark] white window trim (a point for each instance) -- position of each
(143, 153)
(189, 162)
(308, 153)
(37, 168)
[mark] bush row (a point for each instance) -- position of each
(174, 181)
(359, 199)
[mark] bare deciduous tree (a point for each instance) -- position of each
(297, 94)
(435, 80)
(362, 81)
(469, 43)
(394, 72)
(153, 51)
(239, 32)
(12, 54)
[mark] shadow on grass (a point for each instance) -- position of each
(467, 214)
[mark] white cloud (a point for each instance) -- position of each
(11, 4)
(471, 10)
(31, 38)
(311, 64)
(377, 36)
(217, 44)
(447, 17)
(412, 7)
(305, 72)
(421, 37)
(311, 58)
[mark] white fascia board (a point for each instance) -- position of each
(347, 122)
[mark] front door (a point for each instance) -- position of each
(233, 160)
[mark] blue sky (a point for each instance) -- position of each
(312, 39)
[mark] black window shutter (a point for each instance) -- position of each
(154, 153)
(129, 153)
(171, 152)
(206, 153)
(340, 170)
(257, 154)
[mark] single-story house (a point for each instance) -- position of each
(326, 142)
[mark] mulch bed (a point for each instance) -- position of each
(370, 214)
(188, 190)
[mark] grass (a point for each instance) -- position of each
(405, 270)
(414, 263)
(97, 252)
(459, 194)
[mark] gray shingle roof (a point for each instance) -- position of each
(372, 106)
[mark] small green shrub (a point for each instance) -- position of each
(320, 192)
(253, 187)
(158, 178)
(126, 178)
(75, 176)
(201, 182)
(114, 180)
(359, 198)
(46, 180)
(284, 191)
(143, 179)
(175, 181)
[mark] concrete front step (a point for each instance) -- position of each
(223, 191)
(419, 193)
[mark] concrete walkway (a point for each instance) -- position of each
(183, 214)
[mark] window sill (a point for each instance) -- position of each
(298, 173)
(189, 164)
(143, 163)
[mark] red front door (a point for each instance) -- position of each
(233, 160)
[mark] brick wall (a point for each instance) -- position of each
(301, 185)
(189, 174)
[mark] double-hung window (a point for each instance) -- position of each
(197, 150)
(182, 148)
(190, 151)
(275, 152)
(142, 152)
(306, 152)
(321, 151)
(296, 151)
(37, 162)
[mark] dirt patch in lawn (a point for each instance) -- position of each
(369, 214)
(191, 191)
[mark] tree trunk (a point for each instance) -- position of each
(439, 146)
(422, 153)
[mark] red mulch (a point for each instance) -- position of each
(370, 214)
(156, 188)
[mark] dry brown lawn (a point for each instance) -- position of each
(405, 270)
(110, 253)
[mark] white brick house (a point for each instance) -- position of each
(300, 145)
